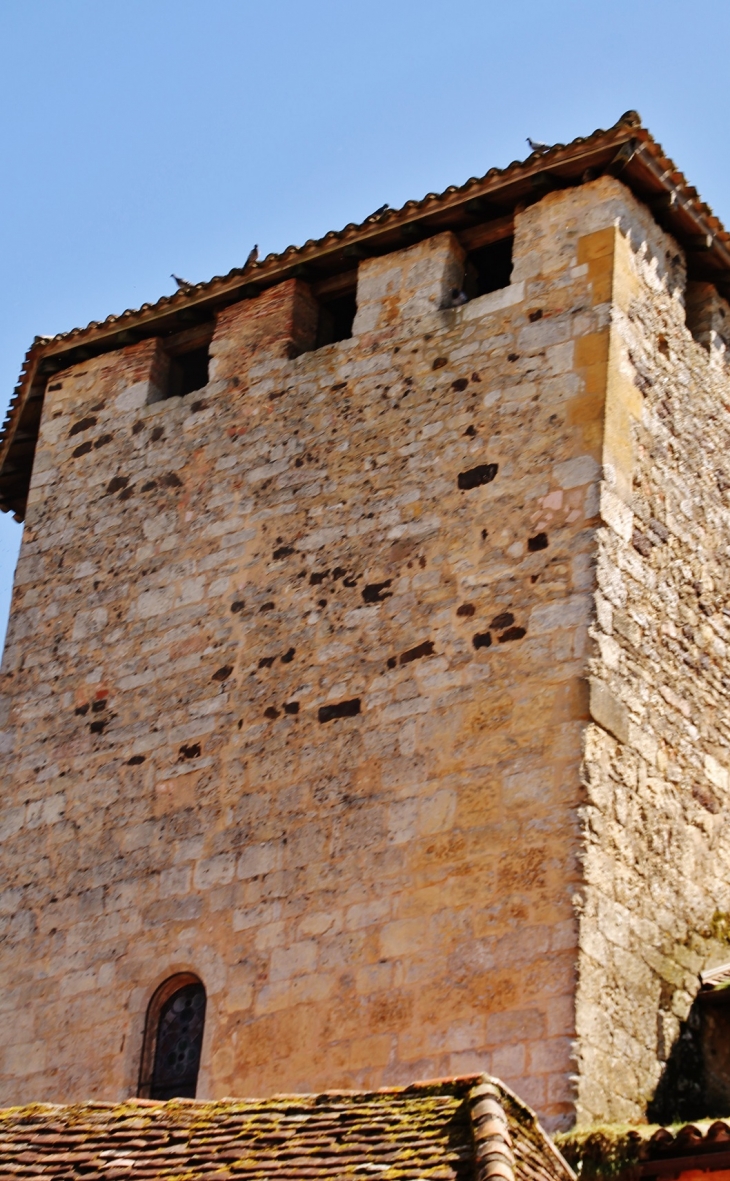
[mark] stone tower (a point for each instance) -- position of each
(367, 657)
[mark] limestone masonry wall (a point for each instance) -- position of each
(296, 697)
(657, 862)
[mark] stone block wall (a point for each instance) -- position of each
(296, 690)
(408, 284)
(656, 894)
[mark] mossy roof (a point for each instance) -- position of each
(633, 1151)
(439, 1131)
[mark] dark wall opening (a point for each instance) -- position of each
(183, 361)
(335, 319)
(695, 1082)
(489, 268)
(707, 316)
(187, 372)
(715, 1043)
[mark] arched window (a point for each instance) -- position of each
(173, 1039)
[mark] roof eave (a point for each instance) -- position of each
(626, 150)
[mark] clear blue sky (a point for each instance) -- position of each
(140, 137)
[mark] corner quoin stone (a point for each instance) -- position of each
(608, 711)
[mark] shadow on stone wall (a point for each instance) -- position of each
(695, 1082)
(680, 1093)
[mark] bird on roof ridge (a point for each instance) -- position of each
(182, 284)
(379, 212)
(537, 146)
(253, 256)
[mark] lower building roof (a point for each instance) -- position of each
(463, 1129)
(623, 1152)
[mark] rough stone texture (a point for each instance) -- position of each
(408, 285)
(296, 690)
(708, 318)
(657, 857)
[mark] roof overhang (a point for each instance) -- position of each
(479, 211)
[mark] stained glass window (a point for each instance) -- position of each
(179, 1041)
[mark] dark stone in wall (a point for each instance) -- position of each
(484, 473)
(343, 709)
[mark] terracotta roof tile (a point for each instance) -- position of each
(647, 1150)
(468, 1129)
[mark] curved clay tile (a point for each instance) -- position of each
(688, 1136)
(718, 1132)
(662, 1138)
(493, 1156)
